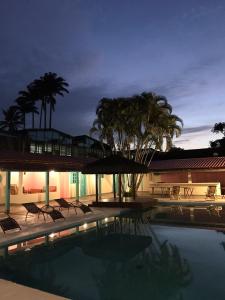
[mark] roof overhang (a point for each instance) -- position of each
(16, 161)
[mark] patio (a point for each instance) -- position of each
(36, 227)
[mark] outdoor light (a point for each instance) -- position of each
(106, 219)
(85, 225)
(52, 235)
(52, 171)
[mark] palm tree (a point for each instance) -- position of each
(12, 119)
(135, 125)
(49, 86)
(26, 104)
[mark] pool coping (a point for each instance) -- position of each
(71, 221)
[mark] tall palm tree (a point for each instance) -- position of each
(26, 104)
(49, 86)
(12, 119)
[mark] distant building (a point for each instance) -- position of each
(52, 141)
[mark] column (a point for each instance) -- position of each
(114, 186)
(7, 192)
(77, 186)
(96, 187)
(100, 186)
(20, 184)
(47, 188)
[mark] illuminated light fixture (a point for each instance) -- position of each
(52, 235)
(85, 225)
(27, 249)
(106, 219)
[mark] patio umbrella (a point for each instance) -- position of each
(114, 164)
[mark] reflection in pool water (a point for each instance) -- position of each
(125, 259)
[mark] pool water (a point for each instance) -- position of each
(125, 260)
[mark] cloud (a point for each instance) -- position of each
(196, 129)
(192, 80)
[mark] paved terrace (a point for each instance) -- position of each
(34, 227)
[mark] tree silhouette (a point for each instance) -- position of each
(48, 87)
(26, 104)
(12, 119)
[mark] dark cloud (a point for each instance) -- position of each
(196, 129)
(181, 141)
(192, 81)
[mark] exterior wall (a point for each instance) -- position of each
(107, 184)
(2, 187)
(200, 181)
(209, 177)
(174, 177)
(90, 184)
(30, 186)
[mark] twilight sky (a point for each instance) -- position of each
(110, 48)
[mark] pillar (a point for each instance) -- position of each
(47, 188)
(96, 187)
(120, 189)
(100, 186)
(7, 192)
(78, 187)
(20, 184)
(114, 186)
(189, 177)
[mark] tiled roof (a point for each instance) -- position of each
(15, 161)
(189, 163)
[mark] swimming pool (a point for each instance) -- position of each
(124, 260)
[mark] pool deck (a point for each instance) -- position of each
(34, 227)
(11, 290)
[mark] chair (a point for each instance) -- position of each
(175, 193)
(55, 215)
(32, 208)
(211, 192)
(8, 224)
(85, 208)
(64, 204)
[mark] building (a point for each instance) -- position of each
(38, 165)
(195, 169)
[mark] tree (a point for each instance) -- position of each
(218, 128)
(12, 119)
(48, 87)
(26, 104)
(134, 126)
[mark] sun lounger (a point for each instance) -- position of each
(55, 215)
(64, 204)
(47, 209)
(8, 224)
(85, 208)
(32, 208)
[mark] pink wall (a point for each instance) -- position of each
(64, 185)
(34, 180)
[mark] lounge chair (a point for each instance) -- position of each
(64, 204)
(175, 193)
(8, 224)
(32, 208)
(85, 208)
(211, 192)
(55, 215)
